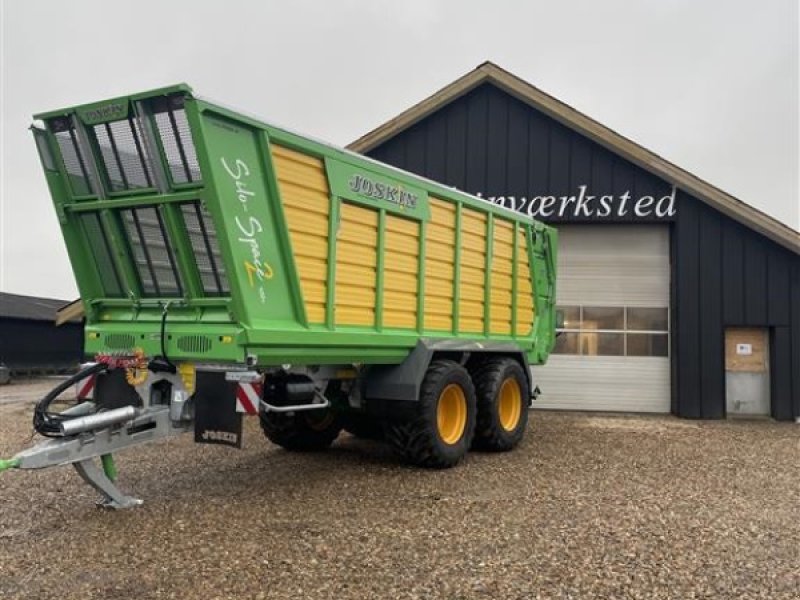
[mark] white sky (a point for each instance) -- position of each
(711, 86)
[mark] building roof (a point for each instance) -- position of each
(70, 312)
(14, 306)
(489, 72)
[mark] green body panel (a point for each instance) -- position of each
(258, 260)
(261, 316)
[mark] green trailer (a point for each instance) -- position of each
(230, 267)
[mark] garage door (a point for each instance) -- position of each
(613, 353)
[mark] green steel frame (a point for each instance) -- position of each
(263, 320)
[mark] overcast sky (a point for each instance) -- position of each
(711, 86)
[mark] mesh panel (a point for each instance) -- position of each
(203, 237)
(194, 343)
(120, 341)
(73, 156)
(152, 254)
(126, 163)
(101, 251)
(176, 139)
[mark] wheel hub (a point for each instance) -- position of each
(451, 414)
(509, 406)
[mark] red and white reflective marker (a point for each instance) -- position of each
(84, 389)
(248, 397)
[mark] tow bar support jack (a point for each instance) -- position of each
(97, 478)
(82, 449)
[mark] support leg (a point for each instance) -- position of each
(112, 495)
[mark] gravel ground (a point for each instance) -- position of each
(588, 506)
(30, 389)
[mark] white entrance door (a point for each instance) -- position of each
(613, 353)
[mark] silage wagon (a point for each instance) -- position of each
(229, 267)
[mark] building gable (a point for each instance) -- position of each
(488, 142)
(592, 130)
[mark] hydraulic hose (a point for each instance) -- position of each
(164, 336)
(163, 363)
(47, 423)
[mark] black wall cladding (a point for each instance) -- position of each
(489, 142)
(723, 274)
(29, 345)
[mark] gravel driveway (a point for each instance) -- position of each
(588, 506)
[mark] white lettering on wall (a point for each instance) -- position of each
(666, 205)
(587, 206)
(642, 208)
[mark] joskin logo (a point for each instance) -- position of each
(109, 112)
(258, 270)
(382, 191)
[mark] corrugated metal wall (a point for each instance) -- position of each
(723, 274)
(726, 275)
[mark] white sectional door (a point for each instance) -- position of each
(613, 353)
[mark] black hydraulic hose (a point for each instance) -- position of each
(47, 423)
(162, 364)
(172, 367)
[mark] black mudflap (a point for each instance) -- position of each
(215, 418)
(111, 390)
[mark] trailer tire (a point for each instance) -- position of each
(440, 433)
(364, 427)
(302, 431)
(502, 400)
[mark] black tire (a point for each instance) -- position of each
(491, 433)
(419, 439)
(365, 427)
(302, 431)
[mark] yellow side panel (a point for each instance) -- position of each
(356, 262)
(501, 277)
(443, 253)
(443, 213)
(304, 193)
(524, 287)
(300, 169)
(440, 287)
(400, 270)
(440, 255)
(471, 309)
(471, 292)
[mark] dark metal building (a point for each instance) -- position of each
(678, 297)
(30, 341)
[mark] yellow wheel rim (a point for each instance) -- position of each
(451, 414)
(509, 406)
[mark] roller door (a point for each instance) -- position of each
(613, 352)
